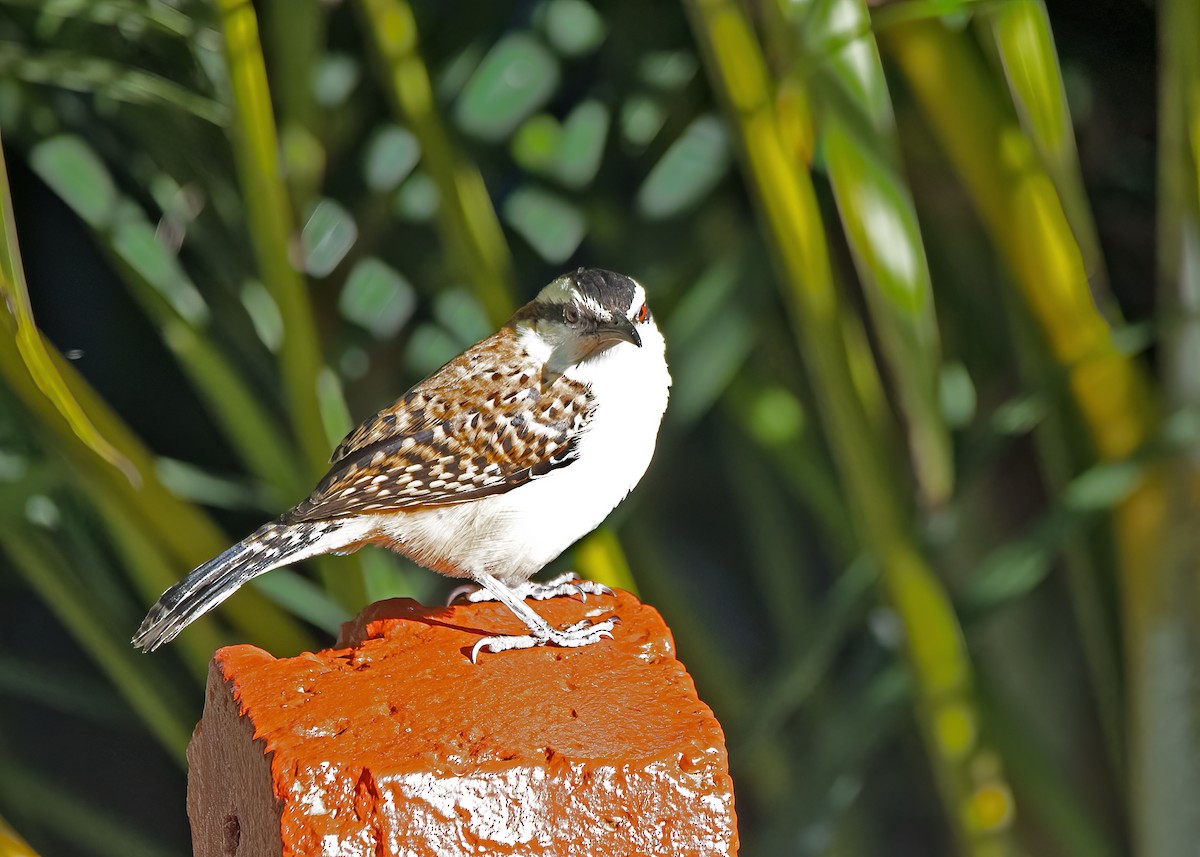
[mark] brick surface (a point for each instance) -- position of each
(394, 743)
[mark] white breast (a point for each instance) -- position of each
(513, 535)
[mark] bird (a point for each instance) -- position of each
(487, 470)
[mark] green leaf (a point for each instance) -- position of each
(388, 575)
(688, 171)
(1010, 571)
(569, 152)
(711, 334)
(334, 78)
(264, 313)
(430, 347)
(552, 226)
(516, 78)
(1104, 485)
(327, 237)
(90, 829)
(573, 27)
(957, 395)
(392, 154)
(581, 145)
(44, 566)
(136, 242)
(457, 310)
(642, 117)
(335, 415)
(377, 297)
(189, 482)
(1020, 416)
(668, 70)
(106, 81)
(776, 417)
(72, 693)
(418, 198)
(78, 176)
(535, 145)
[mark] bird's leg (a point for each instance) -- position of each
(568, 583)
(542, 632)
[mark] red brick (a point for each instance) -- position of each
(394, 743)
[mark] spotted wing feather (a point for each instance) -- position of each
(484, 423)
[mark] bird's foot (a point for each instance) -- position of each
(580, 634)
(568, 583)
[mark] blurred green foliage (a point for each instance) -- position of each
(924, 512)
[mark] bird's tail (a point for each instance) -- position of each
(271, 546)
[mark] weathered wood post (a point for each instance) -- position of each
(393, 743)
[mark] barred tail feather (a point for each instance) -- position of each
(271, 546)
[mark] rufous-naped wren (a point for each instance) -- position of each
(486, 470)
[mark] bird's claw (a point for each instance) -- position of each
(465, 589)
(568, 583)
(583, 633)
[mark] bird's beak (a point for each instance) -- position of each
(620, 329)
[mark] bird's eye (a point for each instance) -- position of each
(643, 314)
(570, 314)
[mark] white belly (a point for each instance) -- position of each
(515, 534)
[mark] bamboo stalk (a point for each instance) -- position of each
(126, 474)
(837, 70)
(258, 438)
(293, 31)
(256, 150)
(975, 797)
(1022, 212)
(1025, 44)
(33, 352)
(1165, 663)
(470, 231)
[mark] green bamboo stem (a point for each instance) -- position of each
(841, 75)
(1022, 212)
(293, 31)
(113, 463)
(181, 530)
(470, 231)
(1025, 45)
(976, 799)
(33, 351)
(256, 150)
(1164, 688)
(259, 440)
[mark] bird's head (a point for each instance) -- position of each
(586, 314)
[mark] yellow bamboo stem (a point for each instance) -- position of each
(975, 796)
(469, 227)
